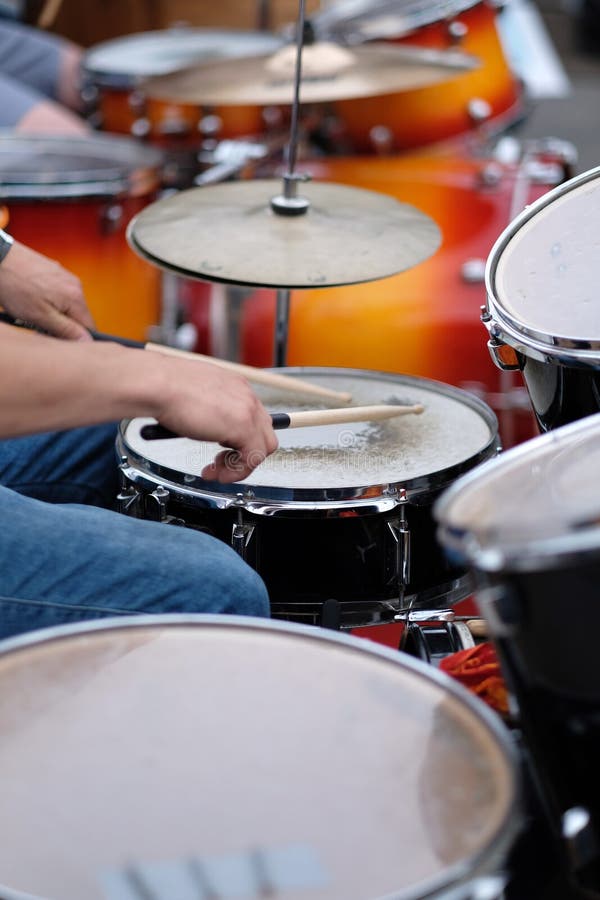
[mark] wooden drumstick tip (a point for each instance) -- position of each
(477, 627)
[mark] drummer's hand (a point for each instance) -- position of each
(40, 291)
(208, 403)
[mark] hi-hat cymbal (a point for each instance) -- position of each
(329, 72)
(230, 233)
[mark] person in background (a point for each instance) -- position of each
(40, 81)
(66, 554)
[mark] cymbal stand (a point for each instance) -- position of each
(288, 203)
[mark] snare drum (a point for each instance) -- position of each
(526, 524)
(173, 756)
(490, 94)
(338, 520)
(543, 314)
(71, 199)
(116, 68)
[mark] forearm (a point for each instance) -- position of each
(48, 384)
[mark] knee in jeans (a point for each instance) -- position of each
(244, 592)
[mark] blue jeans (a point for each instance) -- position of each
(67, 556)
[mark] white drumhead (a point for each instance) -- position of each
(545, 274)
(542, 490)
(449, 432)
(161, 52)
(351, 772)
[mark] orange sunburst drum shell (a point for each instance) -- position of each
(71, 200)
(415, 118)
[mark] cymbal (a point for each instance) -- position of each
(329, 72)
(229, 232)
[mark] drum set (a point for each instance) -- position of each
(353, 265)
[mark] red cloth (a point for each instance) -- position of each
(478, 670)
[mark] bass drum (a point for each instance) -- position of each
(489, 94)
(71, 199)
(426, 320)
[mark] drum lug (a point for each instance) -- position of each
(111, 217)
(140, 128)
(473, 271)
(128, 501)
(382, 140)
(128, 498)
(156, 504)
(401, 534)
(241, 535)
(492, 173)
(479, 110)
(457, 31)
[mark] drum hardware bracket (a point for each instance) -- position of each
(400, 532)
(289, 203)
(227, 159)
(428, 615)
(503, 356)
(488, 887)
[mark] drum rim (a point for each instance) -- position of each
(267, 500)
(139, 172)
(551, 552)
(480, 864)
(505, 327)
(102, 76)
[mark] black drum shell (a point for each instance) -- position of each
(560, 393)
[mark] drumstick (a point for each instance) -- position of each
(256, 375)
(310, 417)
(252, 373)
(49, 13)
